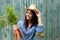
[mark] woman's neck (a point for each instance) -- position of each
(29, 24)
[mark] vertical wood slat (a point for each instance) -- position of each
(58, 21)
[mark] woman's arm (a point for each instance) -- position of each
(39, 17)
(17, 32)
(21, 33)
(40, 25)
(16, 35)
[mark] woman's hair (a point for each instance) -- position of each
(34, 19)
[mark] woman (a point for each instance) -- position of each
(30, 25)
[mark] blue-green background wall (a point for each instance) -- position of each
(50, 11)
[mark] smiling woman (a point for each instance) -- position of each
(30, 25)
(50, 14)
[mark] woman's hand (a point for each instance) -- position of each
(39, 17)
(38, 14)
(16, 33)
(15, 27)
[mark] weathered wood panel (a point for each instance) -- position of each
(50, 10)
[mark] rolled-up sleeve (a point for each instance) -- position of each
(39, 28)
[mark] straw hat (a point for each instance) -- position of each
(31, 7)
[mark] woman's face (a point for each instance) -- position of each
(29, 15)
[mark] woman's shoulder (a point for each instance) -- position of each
(20, 23)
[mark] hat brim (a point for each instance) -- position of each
(26, 8)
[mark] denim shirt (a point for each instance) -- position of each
(29, 33)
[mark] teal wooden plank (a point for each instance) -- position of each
(58, 21)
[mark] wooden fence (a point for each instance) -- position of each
(50, 10)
